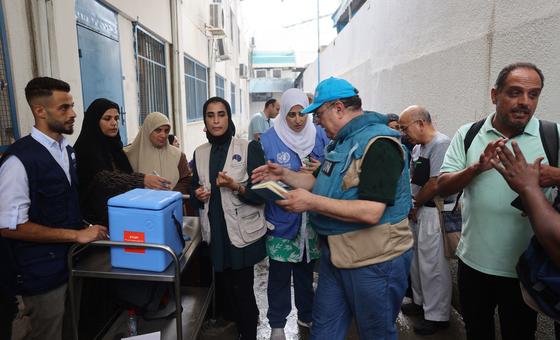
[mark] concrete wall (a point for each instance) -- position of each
(444, 55)
(153, 14)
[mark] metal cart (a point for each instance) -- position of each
(93, 260)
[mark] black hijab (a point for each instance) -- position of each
(230, 132)
(94, 150)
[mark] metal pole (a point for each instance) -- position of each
(318, 46)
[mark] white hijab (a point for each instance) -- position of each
(301, 142)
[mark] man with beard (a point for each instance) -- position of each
(494, 232)
(39, 211)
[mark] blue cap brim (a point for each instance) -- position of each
(311, 108)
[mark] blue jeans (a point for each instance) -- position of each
(280, 294)
(372, 295)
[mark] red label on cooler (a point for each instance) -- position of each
(134, 236)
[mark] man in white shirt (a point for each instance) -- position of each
(39, 211)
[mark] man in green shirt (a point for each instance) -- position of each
(262, 121)
(494, 232)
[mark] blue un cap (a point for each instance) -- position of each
(330, 89)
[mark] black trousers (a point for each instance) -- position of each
(240, 296)
(8, 310)
(480, 293)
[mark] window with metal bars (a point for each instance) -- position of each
(152, 74)
(8, 128)
(196, 88)
(220, 86)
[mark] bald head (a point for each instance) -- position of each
(416, 112)
(415, 121)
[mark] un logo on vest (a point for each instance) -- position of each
(283, 157)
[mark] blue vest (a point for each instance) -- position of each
(350, 145)
(40, 267)
(286, 224)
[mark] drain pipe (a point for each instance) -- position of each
(44, 41)
(176, 107)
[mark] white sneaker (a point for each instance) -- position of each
(277, 334)
(304, 324)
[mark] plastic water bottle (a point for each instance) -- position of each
(132, 322)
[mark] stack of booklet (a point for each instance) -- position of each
(270, 190)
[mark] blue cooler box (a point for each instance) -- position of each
(147, 216)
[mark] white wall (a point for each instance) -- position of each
(21, 60)
(443, 55)
(153, 14)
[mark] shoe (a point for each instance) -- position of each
(277, 334)
(427, 327)
(304, 324)
(412, 309)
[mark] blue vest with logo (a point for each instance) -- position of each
(350, 145)
(286, 224)
(40, 267)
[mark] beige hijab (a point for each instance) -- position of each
(145, 158)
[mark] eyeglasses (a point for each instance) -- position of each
(403, 128)
(317, 115)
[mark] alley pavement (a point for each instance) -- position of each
(294, 332)
(456, 330)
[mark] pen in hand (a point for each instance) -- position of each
(164, 184)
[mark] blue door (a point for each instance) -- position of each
(100, 58)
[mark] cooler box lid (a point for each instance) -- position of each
(145, 199)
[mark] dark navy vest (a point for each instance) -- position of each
(40, 267)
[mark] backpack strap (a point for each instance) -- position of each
(471, 133)
(549, 137)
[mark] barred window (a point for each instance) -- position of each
(196, 88)
(232, 102)
(152, 79)
(8, 128)
(220, 86)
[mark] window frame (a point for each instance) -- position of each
(199, 98)
(158, 104)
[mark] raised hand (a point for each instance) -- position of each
(224, 181)
(311, 165)
(484, 161)
(202, 194)
(268, 172)
(519, 175)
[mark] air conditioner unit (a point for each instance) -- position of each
(216, 19)
(222, 49)
(243, 71)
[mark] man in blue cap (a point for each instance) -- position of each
(358, 201)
